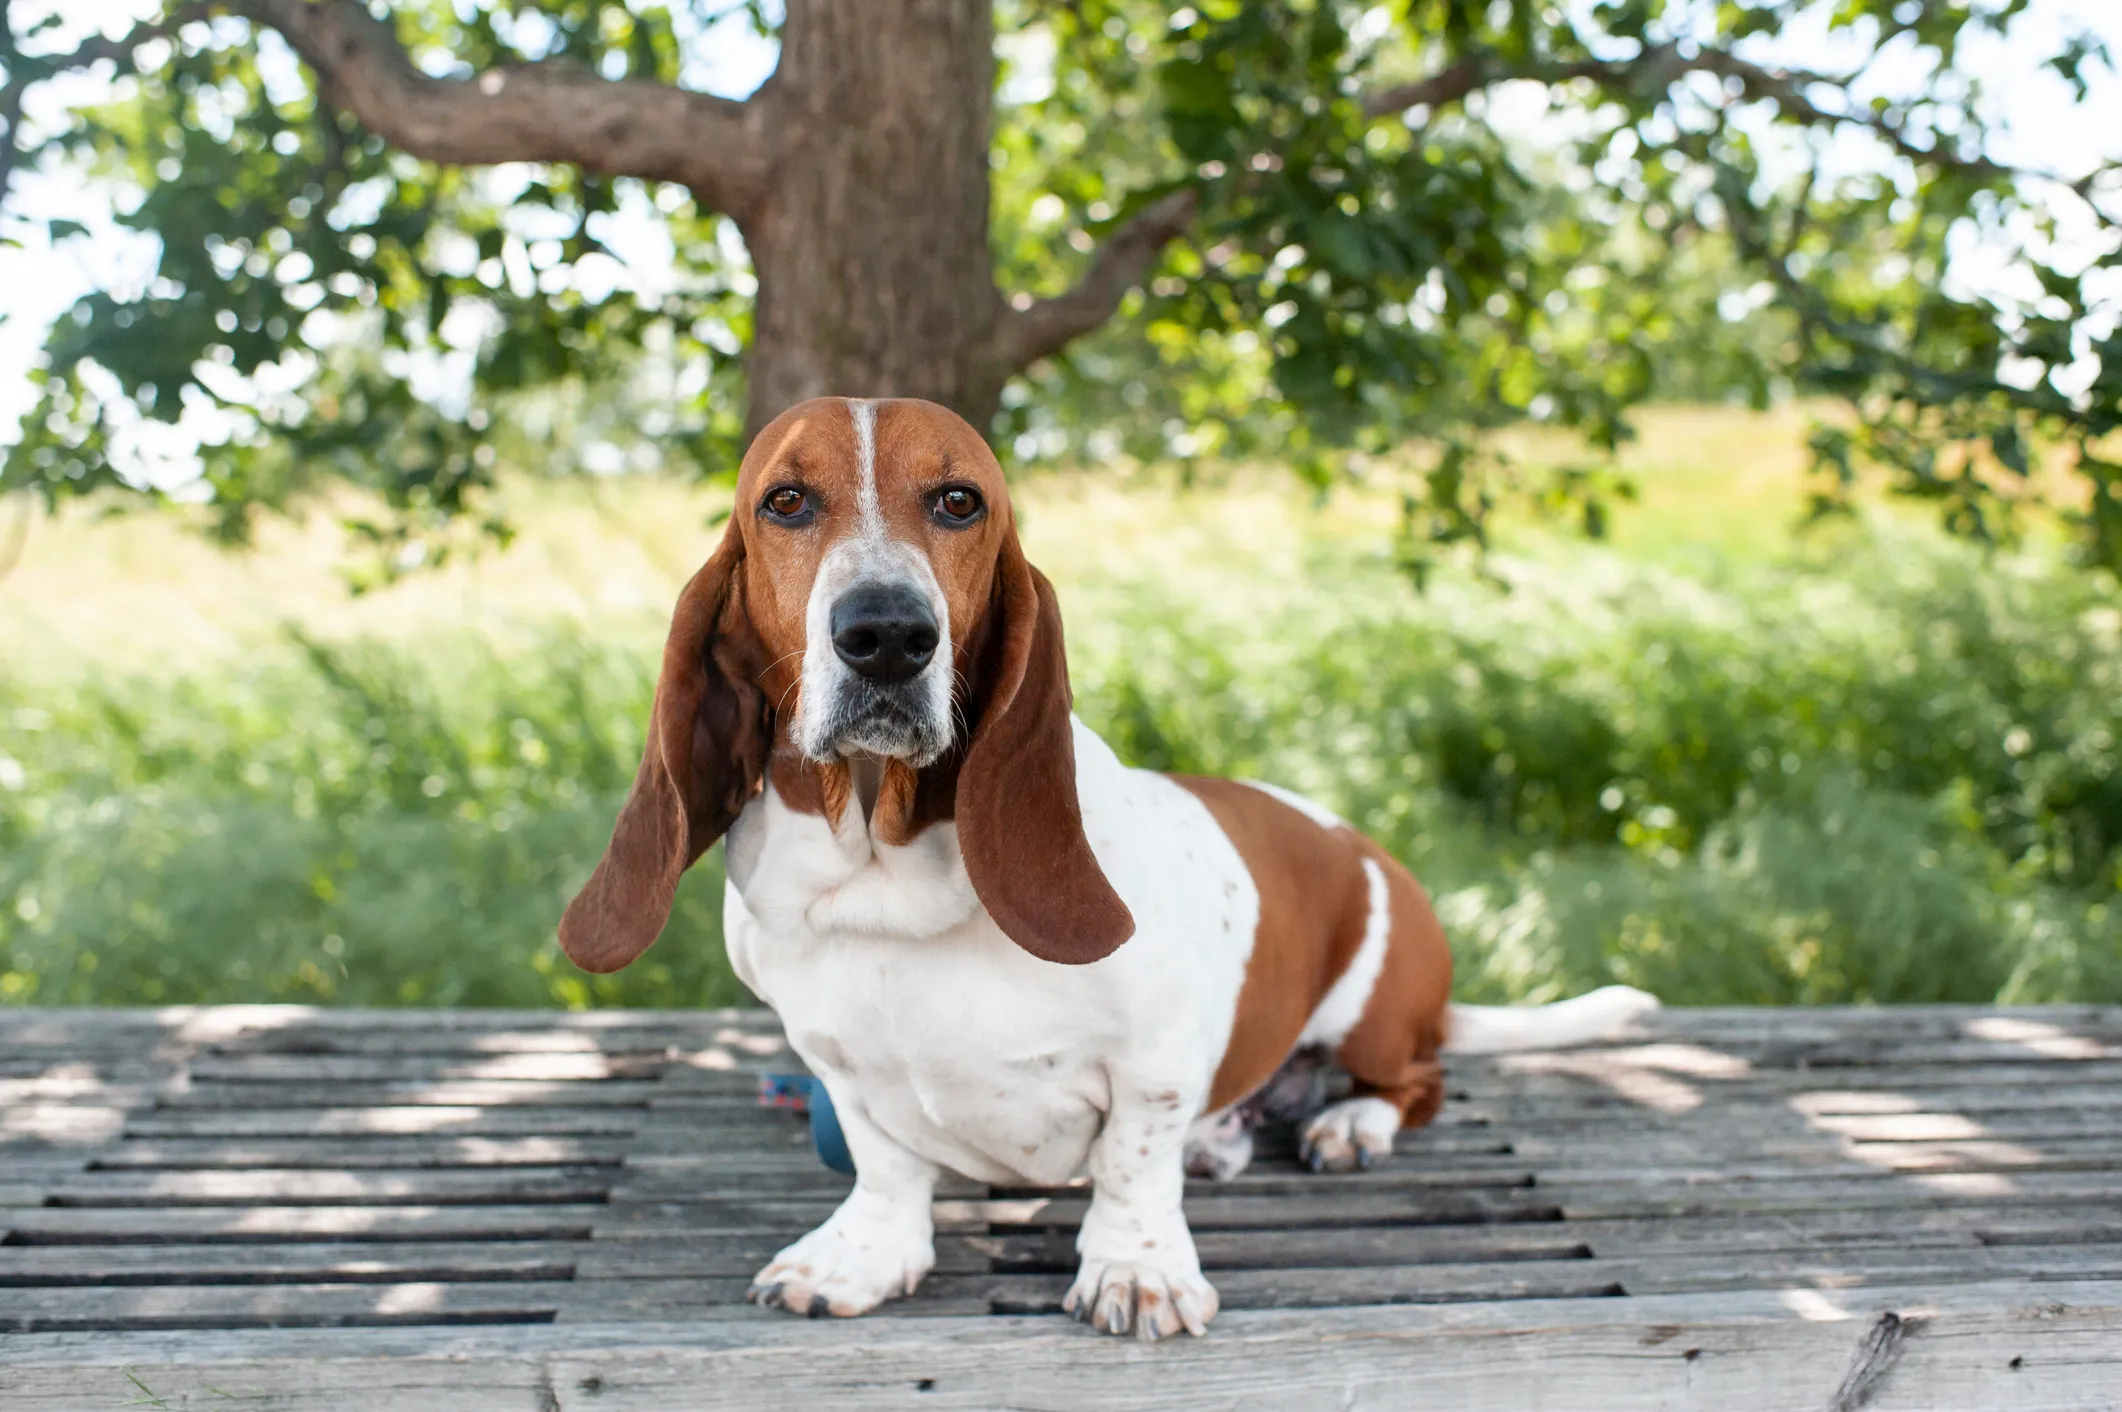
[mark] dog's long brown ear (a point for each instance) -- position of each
(708, 742)
(1019, 826)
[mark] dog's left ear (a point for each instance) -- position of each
(1019, 824)
(708, 738)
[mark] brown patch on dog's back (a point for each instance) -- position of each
(1314, 909)
(1314, 902)
(1392, 1051)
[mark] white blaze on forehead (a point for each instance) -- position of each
(870, 513)
(867, 554)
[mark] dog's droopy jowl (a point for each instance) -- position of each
(1005, 953)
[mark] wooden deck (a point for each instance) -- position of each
(264, 1207)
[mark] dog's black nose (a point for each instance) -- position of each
(886, 634)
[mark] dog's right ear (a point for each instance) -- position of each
(708, 742)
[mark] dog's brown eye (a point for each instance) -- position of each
(788, 505)
(957, 505)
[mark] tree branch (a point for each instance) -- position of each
(1048, 325)
(1656, 69)
(541, 112)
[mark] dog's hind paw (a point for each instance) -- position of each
(1349, 1135)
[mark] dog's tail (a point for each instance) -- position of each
(1500, 1029)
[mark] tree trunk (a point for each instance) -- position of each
(875, 277)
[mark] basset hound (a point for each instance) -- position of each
(1004, 952)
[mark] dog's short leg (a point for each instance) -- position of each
(877, 1246)
(1140, 1274)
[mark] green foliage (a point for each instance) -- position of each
(296, 245)
(345, 824)
(1894, 779)
(1357, 282)
(1374, 261)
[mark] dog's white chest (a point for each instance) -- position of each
(895, 985)
(934, 1042)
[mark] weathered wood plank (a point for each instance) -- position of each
(44, 1125)
(269, 1187)
(1774, 1125)
(200, 1224)
(473, 1093)
(284, 1166)
(660, 1183)
(1624, 1163)
(1836, 1019)
(77, 1088)
(1739, 1245)
(1322, 1288)
(679, 1218)
(422, 1068)
(219, 1023)
(754, 1038)
(1377, 1207)
(344, 1153)
(407, 1262)
(462, 1120)
(136, 1307)
(1706, 1352)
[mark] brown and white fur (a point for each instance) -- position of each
(1004, 952)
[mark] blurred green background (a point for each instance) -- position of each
(1417, 404)
(1715, 758)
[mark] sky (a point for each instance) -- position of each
(2038, 124)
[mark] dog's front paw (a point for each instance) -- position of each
(844, 1268)
(1135, 1296)
(1348, 1135)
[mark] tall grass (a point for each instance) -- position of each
(1889, 778)
(1892, 779)
(352, 823)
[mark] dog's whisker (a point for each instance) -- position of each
(777, 662)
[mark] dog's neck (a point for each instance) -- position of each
(895, 801)
(865, 777)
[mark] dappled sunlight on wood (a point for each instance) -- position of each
(1793, 1170)
(1642, 1074)
(1969, 1183)
(1909, 1157)
(71, 1122)
(410, 1299)
(732, 1050)
(1811, 1304)
(1889, 1131)
(1852, 1101)
(1943, 1150)
(2036, 1037)
(1900, 1125)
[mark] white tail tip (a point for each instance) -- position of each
(1502, 1029)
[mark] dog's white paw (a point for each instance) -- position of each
(845, 1268)
(1348, 1135)
(1219, 1146)
(1141, 1298)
